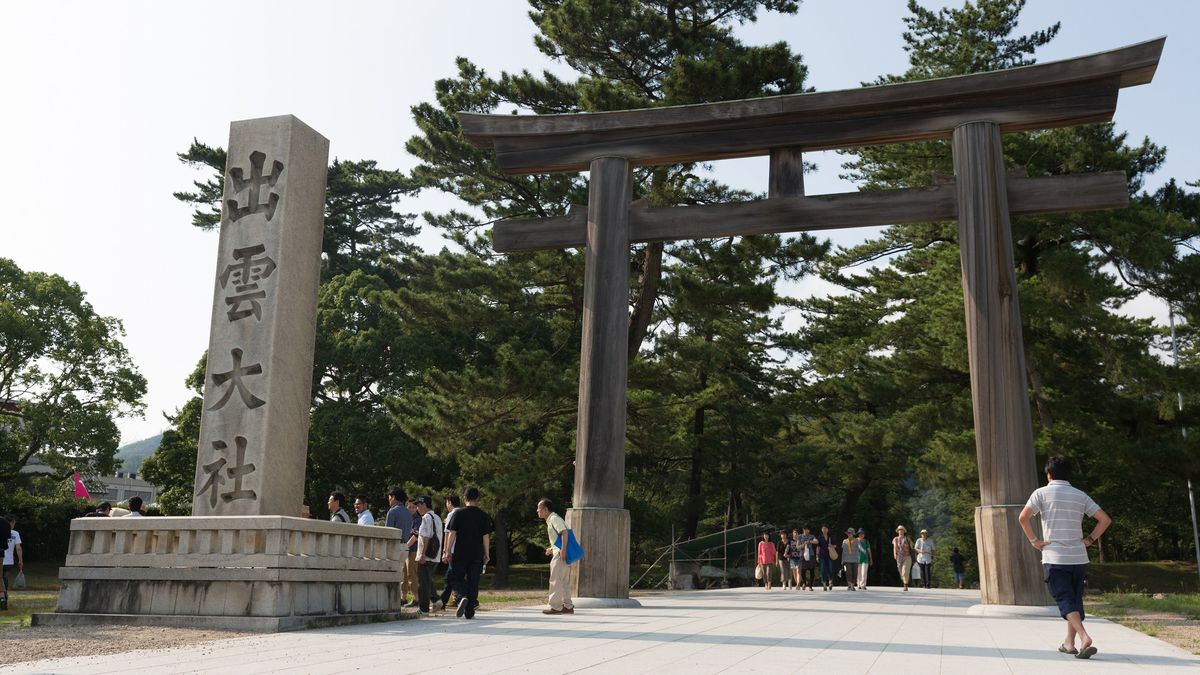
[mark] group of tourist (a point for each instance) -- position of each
(461, 540)
(1060, 505)
(804, 556)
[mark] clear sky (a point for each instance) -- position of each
(99, 95)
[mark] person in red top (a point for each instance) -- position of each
(767, 558)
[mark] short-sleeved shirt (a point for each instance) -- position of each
(414, 525)
(469, 524)
(365, 518)
(864, 551)
(554, 525)
(431, 527)
(14, 540)
(399, 518)
(1062, 508)
(924, 550)
(823, 544)
(959, 562)
(446, 523)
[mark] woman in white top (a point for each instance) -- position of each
(924, 547)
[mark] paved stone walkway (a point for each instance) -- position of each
(737, 630)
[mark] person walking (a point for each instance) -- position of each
(362, 506)
(808, 558)
(902, 552)
(850, 559)
(560, 572)
(410, 584)
(397, 516)
(958, 562)
(1064, 548)
(785, 572)
(429, 537)
(337, 508)
(766, 560)
(924, 547)
(865, 558)
(453, 504)
(825, 546)
(795, 555)
(14, 555)
(468, 539)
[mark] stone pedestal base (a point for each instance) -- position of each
(1010, 570)
(264, 573)
(601, 579)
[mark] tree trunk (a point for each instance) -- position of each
(694, 498)
(643, 309)
(853, 494)
(1035, 383)
(500, 543)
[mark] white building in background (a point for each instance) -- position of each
(121, 487)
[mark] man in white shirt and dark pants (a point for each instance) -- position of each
(1064, 548)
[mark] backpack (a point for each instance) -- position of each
(434, 543)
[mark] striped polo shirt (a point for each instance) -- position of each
(1062, 508)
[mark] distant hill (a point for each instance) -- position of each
(131, 455)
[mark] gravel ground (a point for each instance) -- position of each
(52, 642)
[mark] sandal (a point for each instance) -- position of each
(1087, 653)
(1064, 650)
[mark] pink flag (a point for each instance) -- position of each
(80, 490)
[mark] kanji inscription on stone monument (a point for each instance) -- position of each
(254, 427)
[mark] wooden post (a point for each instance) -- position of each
(599, 518)
(1009, 569)
(786, 178)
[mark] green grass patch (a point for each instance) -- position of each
(1164, 576)
(23, 603)
(1186, 604)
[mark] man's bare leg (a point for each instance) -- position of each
(1075, 626)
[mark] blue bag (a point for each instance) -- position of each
(573, 550)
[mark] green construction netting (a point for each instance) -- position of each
(712, 545)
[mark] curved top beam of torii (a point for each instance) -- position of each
(1055, 94)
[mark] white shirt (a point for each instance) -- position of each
(365, 518)
(14, 540)
(431, 528)
(134, 514)
(924, 550)
(446, 524)
(1062, 508)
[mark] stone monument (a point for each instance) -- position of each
(258, 382)
(243, 560)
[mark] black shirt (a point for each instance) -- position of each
(469, 524)
(957, 560)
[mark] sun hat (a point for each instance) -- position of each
(901, 528)
(924, 531)
(849, 530)
(861, 531)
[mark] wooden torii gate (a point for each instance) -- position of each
(972, 110)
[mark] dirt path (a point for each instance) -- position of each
(1174, 628)
(53, 642)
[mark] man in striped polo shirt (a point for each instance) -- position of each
(1064, 548)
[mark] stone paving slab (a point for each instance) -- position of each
(882, 631)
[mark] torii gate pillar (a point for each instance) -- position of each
(599, 517)
(1009, 569)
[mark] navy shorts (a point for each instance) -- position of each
(1065, 583)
